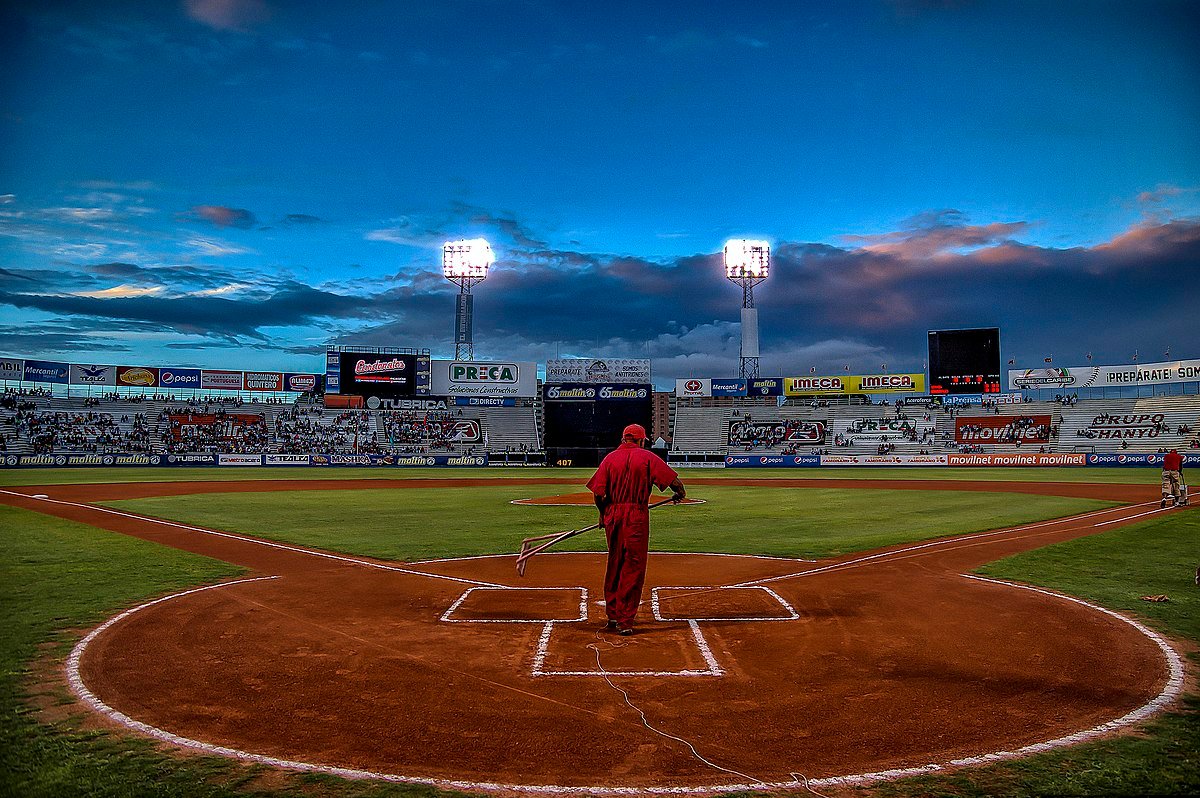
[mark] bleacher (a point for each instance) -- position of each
(700, 434)
(1145, 425)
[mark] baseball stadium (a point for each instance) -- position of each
(520, 398)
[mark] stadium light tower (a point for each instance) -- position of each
(465, 263)
(747, 263)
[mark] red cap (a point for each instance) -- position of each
(636, 431)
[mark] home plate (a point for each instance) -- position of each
(656, 649)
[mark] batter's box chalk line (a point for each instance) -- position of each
(791, 614)
(581, 617)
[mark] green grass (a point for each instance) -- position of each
(73, 476)
(57, 577)
(1113, 569)
(800, 522)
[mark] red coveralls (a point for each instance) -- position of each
(625, 477)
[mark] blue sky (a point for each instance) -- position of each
(240, 182)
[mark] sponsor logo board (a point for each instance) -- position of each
(1022, 459)
(301, 383)
(485, 401)
(728, 387)
(771, 461)
(464, 378)
(90, 374)
(187, 459)
(1002, 429)
(384, 403)
(1105, 376)
(765, 386)
(884, 460)
(776, 433)
(46, 371)
(137, 376)
(221, 380)
(239, 459)
(693, 386)
(286, 459)
(1139, 460)
(11, 369)
(598, 393)
(593, 370)
(854, 383)
(179, 378)
(262, 380)
(1136, 426)
(880, 430)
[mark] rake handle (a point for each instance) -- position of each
(555, 538)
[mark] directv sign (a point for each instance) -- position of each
(474, 378)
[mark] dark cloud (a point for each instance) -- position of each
(222, 216)
(301, 219)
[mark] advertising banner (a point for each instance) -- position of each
(1137, 460)
(621, 370)
(137, 376)
(693, 387)
(596, 393)
(286, 459)
(46, 371)
(239, 459)
(464, 378)
(1105, 376)
(93, 375)
(776, 433)
(880, 430)
(187, 459)
(485, 401)
(179, 378)
(1064, 459)
(728, 387)
(885, 460)
(333, 372)
(300, 383)
(220, 380)
(1002, 429)
(74, 460)
(854, 383)
(11, 369)
(262, 380)
(765, 386)
(1128, 426)
(402, 460)
(772, 461)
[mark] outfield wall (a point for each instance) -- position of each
(1068, 459)
(246, 460)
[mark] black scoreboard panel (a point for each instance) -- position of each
(964, 361)
(586, 422)
(384, 375)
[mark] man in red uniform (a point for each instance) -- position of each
(1172, 479)
(621, 488)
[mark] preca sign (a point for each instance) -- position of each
(467, 378)
(1002, 429)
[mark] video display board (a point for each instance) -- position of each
(590, 416)
(964, 361)
(383, 375)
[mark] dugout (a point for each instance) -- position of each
(583, 422)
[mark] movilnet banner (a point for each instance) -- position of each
(93, 375)
(262, 380)
(1075, 377)
(46, 371)
(220, 380)
(474, 378)
(728, 387)
(300, 383)
(693, 387)
(987, 430)
(137, 376)
(1031, 459)
(11, 369)
(179, 378)
(772, 461)
(596, 370)
(765, 386)
(854, 383)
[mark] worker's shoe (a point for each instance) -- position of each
(624, 630)
(609, 625)
(1162, 505)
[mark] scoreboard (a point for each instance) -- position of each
(964, 361)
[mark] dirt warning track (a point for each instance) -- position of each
(459, 674)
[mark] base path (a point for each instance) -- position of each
(750, 671)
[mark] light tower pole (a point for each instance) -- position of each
(465, 263)
(748, 263)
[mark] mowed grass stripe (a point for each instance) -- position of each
(423, 523)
